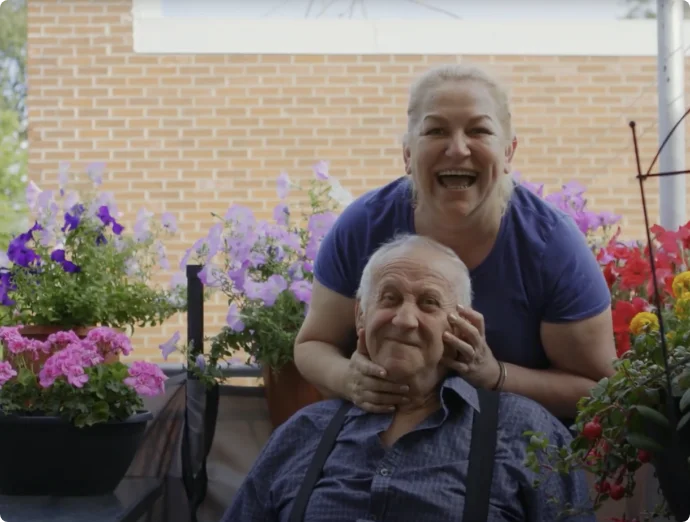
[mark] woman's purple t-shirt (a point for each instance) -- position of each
(540, 269)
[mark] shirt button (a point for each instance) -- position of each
(385, 472)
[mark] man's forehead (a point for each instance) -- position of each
(411, 273)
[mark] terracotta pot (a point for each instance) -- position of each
(41, 333)
(287, 392)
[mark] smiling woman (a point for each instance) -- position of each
(540, 320)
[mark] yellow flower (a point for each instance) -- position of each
(644, 321)
(681, 284)
(682, 306)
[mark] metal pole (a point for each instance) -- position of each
(671, 83)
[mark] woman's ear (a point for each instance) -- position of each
(509, 153)
(406, 154)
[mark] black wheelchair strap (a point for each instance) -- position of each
(480, 469)
(316, 466)
(479, 473)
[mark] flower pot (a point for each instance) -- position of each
(672, 468)
(43, 455)
(41, 332)
(287, 392)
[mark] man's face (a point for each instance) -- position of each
(407, 314)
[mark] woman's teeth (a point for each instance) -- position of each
(457, 180)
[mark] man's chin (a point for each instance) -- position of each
(400, 371)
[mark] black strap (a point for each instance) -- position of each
(480, 469)
(316, 466)
(482, 449)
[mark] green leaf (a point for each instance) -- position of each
(600, 388)
(685, 400)
(683, 421)
(653, 415)
(643, 442)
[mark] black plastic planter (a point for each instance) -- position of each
(49, 456)
(672, 469)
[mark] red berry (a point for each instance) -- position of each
(603, 487)
(592, 430)
(644, 456)
(617, 492)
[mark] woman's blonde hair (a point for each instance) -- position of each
(441, 74)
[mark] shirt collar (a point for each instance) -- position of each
(453, 384)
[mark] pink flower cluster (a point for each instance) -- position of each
(109, 341)
(146, 378)
(16, 344)
(70, 363)
(70, 355)
(6, 372)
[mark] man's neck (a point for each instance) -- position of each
(408, 416)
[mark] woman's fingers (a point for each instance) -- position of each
(376, 408)
(465, 330)
(474, 318)
(460, 367)
(370, 384)
(365, 366)
(383, 399)
(461, 351)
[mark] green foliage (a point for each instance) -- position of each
(13, 117)
(13, 161)
(113, 284)
(13, 47)
(629, 408)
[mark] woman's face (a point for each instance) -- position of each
(458, 149)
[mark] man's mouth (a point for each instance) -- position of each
(457, 179)
(402, 342)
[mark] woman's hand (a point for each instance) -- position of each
(366, 384)
(469, 355)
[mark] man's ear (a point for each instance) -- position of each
(359, 315)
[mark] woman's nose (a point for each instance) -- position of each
(458, 145)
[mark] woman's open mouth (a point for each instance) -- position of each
(457, 179)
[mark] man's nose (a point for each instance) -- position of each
(458, 145)
(406, 316)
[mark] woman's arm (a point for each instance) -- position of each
(327, 334)
(581, 353)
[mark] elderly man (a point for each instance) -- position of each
(437, 458)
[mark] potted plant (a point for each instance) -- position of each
(74, 426)
(629, 418)
(77, 267)
(265, 270)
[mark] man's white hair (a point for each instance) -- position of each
(458, 274)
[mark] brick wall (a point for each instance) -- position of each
(194, 134)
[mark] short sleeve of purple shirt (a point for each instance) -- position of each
(573, 283)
